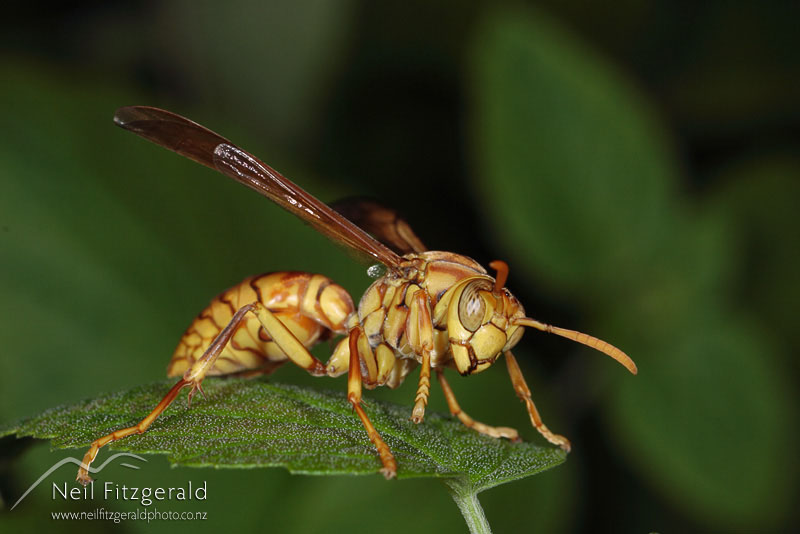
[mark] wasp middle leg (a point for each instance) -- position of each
(419, 330)
(389, 469)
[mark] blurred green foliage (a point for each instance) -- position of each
(563, 138)
(637, 164)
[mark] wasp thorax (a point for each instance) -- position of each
(478, 323)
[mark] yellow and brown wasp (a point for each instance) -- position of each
(430, 309)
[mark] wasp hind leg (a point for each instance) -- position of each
(455, 409)
(194, 376)
(83, 473)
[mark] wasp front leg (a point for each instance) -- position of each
(524, 393)
(455, 409)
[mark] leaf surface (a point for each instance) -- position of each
(246, 423)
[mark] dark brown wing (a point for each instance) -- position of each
(385, 224)
(171, 131)
(200, 144)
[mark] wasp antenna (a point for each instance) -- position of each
(580, 337)
(502, 274)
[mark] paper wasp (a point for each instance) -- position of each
(432, 310)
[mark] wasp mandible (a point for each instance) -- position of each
(431, 309)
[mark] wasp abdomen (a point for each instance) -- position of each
(311, 306)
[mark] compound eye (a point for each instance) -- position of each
(472, 306)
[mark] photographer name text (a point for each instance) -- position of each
(145, 496)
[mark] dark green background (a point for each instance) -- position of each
(636, 163)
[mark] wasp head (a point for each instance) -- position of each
(479, 318)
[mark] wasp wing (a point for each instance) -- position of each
(200, 144)
(384, 223)
(248, 170)
(171, 131)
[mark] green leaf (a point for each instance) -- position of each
(571, 161)
(708, 426)
(246, 423)
(759, 193)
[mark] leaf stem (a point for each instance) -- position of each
(466, 497)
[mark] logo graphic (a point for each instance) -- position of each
(71, 460)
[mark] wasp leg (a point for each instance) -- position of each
(83, 473)
(423, 389)
(280, 334)
(354, 396)
(455, 409)
(525, 394)
(420, 333)
(194, 376)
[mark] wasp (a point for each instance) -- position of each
(430, 310)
